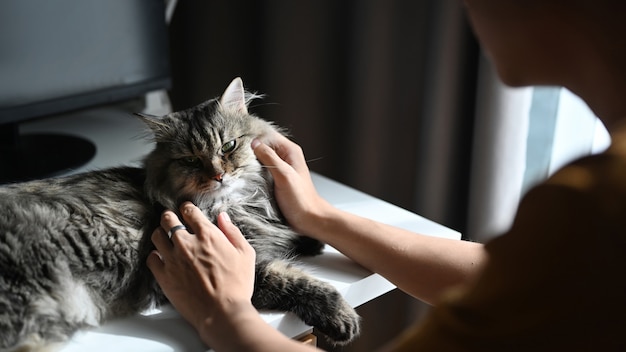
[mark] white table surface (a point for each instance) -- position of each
(165, 330)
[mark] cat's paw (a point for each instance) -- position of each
(281, 286)
(308, 246)
(343, 326)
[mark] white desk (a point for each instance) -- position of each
(114, 131)
(165, 330)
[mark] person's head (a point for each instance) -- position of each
(536, 42)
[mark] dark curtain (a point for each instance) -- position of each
(378, 93)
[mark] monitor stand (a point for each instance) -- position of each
(34, 156)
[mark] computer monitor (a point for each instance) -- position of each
(63, 55)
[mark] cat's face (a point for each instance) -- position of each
(203, 154)
(212, 158)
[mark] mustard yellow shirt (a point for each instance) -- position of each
(556, 281)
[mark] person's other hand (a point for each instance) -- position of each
(207, 274)
(293, 188)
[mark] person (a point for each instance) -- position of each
(554, 281)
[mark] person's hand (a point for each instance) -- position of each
(206, 275)
(293, 188)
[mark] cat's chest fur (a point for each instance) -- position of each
(230, 192)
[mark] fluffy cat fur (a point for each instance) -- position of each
(73, 249)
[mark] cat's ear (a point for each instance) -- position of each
(234, 97)
(155, 123)
(152, 121)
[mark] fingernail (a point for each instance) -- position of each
(188, 208)
(226, 217)
(255, 143)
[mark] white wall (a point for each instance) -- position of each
(522, 136)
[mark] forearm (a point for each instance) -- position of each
(422, 266)
(243, 329)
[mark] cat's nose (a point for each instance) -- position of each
(219, 177)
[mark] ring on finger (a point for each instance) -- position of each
(174, 229)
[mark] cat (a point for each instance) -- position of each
(73, 248)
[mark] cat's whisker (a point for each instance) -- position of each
(255, 105)
(308, 161)
(269, 166)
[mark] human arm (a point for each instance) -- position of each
(420, 265)
(209, 278)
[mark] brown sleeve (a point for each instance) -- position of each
(554, 282)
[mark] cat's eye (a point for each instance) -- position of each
(229, 146)
(192, 161)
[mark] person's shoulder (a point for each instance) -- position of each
(602, 172)
(592, 187)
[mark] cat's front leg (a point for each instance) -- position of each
(281, 286)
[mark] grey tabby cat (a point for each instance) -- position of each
(73, 249)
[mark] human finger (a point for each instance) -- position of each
(160, 239)
(290, 152)
(171, 225)
(232, 232)
(195, 219)
(283, 147)
(155, 264)
(289, 160)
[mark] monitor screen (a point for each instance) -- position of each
(67, 54)
(63, 55)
